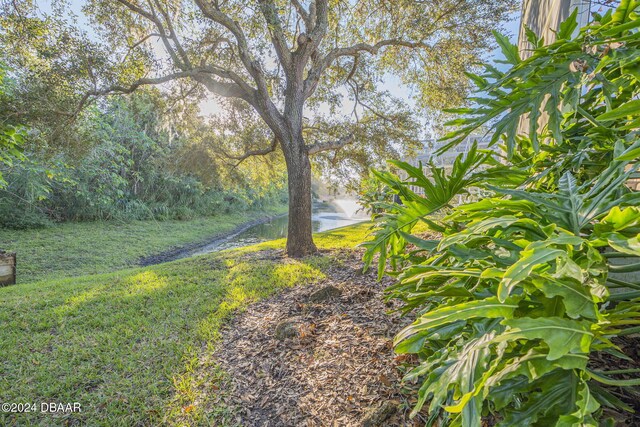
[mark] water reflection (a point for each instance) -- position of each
(326, 216)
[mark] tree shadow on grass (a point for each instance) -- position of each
(125, 345)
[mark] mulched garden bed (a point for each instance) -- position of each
(321, 355)
(317, 355)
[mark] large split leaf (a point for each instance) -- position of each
(488, 308)
(562, 336)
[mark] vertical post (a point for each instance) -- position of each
(544, 17)
(7, 268)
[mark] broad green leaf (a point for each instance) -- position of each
(563, 336)
(534, 364)
(600, 377)
(465, 373)
(630, 154)
(542, 401)
(416, 342)
(631, 108)
(509, 50)
(487, 308)
(566, 268)
(621, 243)
(532, 37)
(476, 229)
(568, 26)
(624, 11)
(586, 405)
(619, 219)
(433, 271)
(568, 190)
(605, 398)
(387, 240)
(521, 270)
(427, 245)
(576, 297)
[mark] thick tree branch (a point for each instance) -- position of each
(140, 11)
(319, 14)
(144, 82)
(316, 72)
(263, 152)
(274, 26)
(354, 67)
(252, 66)
(306, 18)
(202, 75)
(261, 99)
(166, 39)
(172, 34)
(332, 145)
(258, 97)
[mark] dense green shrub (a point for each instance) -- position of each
(125, 171)
(20, 217)
(372, 193)
(28, 185)
(523, 291)
(11, 134)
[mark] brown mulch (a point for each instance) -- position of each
(334, 367)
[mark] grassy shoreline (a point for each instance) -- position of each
(125, 345)
(75, 249)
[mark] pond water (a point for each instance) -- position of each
(326, 216)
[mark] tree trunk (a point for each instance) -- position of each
(299, 238)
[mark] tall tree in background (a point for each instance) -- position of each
(287, 59)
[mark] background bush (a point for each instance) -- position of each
(124, 168)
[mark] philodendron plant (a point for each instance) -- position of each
(527, 286)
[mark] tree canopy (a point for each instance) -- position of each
(295, 63)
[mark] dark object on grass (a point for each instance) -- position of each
(324, 294)
(288, 328)
(7, 268)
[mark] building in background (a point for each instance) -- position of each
(544, 17)
(446, 159)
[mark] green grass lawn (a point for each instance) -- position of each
(73, 249)
(125, 345)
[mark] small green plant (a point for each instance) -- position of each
(372, 192)
(524, 289)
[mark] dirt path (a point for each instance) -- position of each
(317, 355)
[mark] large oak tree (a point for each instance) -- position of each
(287, 58)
